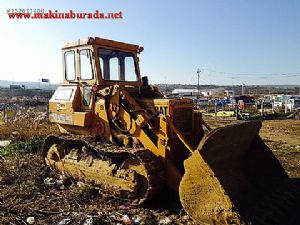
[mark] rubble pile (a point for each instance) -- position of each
(25, 122)
(30, 114)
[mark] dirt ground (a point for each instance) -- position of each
(283, 137)
(30, 191)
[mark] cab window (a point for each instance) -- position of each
(86, 66)
(117, 65)
(130, 68)
(69, 65)
(86, 95)
(113, 70)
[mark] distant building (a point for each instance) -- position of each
(229, 93)
(194, 92)
(185, 92)
(280, 100)
(293, 104)
(211, 92)
(16, 87)
(208, 92)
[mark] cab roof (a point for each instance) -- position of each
(101, 42)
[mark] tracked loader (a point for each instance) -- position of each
(122, 135)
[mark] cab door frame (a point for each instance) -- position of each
(84, 83)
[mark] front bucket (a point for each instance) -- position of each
(229, 174)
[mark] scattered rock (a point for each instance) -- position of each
(186, 217)
(136, 220)
(30, 220)
(60, 182)
(49, 181)
(126, 220)
(76, 214)
(165, 220)
(88, 221)
(15, 135)
(64, 221)
(23, 163)
(80, 184)
(124, 207)
(4, 143)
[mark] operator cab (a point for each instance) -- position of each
(101, 61)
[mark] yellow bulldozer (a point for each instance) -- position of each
(122, 135)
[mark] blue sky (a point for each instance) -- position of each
(233, 42)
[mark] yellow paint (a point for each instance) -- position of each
(131, 111)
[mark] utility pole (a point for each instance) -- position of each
(198, 87)
(232, 86)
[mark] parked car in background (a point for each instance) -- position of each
(293, 103)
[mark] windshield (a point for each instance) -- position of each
(117, 65)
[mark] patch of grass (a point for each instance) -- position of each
(27, 146)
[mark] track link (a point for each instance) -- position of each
(137, 171)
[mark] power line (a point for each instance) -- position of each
(259, 77)
(251, 75)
